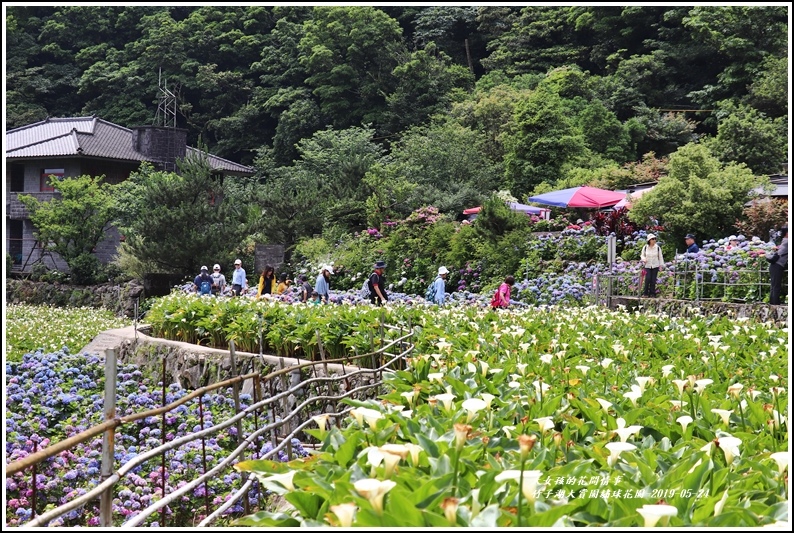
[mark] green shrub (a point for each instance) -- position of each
(85, 269)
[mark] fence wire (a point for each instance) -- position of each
(276, 399)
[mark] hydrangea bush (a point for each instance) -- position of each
(54, 396)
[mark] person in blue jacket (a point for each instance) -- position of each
(691, 245)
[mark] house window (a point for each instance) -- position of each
(15, 240)
(17, 178)
(45, 185)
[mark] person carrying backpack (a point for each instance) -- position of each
(218, 280)
(203, 282)
(436, 292)
(306, 288)
(377, 284)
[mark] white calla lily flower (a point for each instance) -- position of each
(720, 504)
(730, 446)
(605, 405)
(345, 513)
(374, 490)
(472, 406)
(446, 400)
(643, 381)
(615, 449)
(684, 420)
(782, 460)
(653, 513)
(724, 414)
(546, 423)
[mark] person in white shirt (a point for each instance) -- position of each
(440, 285)
(239, 281)
(652, 261)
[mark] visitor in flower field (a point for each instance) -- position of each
(439, 286)
(501, 299)
(239, 281)
(267, 281)
(218, 280)
(202, 283)
(778, 263)
(323, 283)
(315, 298)
(733, 242)
(377, 284)
(306, 288)
(652, 261)
(691, 245)
(283, 283)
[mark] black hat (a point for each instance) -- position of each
(690, 236)
(380, 264)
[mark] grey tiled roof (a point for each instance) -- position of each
(88, 137)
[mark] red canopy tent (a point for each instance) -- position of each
(592, 197)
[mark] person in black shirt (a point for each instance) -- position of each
(377, 284)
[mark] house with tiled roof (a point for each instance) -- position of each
(67, 147)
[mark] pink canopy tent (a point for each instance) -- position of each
(579, 197)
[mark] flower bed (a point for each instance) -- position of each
(33, 327)
(57, 395)
(552, 418)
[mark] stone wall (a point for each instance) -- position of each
(120, 299)
(761, 312)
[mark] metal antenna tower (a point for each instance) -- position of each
(166, 118)
(166, 109)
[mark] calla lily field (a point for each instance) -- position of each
(543, 417)
(534, 416)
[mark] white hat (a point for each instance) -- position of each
(442, 270)
(732, 238)
(238, 262)
(650, 236)
(329, 268)
(216, 266)
(203, 268)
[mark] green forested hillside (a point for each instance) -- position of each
(356, 115)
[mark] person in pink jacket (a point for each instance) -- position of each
(501, 299)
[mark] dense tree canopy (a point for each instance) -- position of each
(354, 114)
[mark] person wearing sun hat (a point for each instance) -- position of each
(778, 263)
(652, 261)
(439, 286)
(323, 283)
(218, 280)
(200, 281)
(377, 284)
(239, 280)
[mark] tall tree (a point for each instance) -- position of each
(179, 221)
(746, 136)
(349, 54)
(428, 84)
(545, 139)
(699, 195)
(74, 222)
(744, 36)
